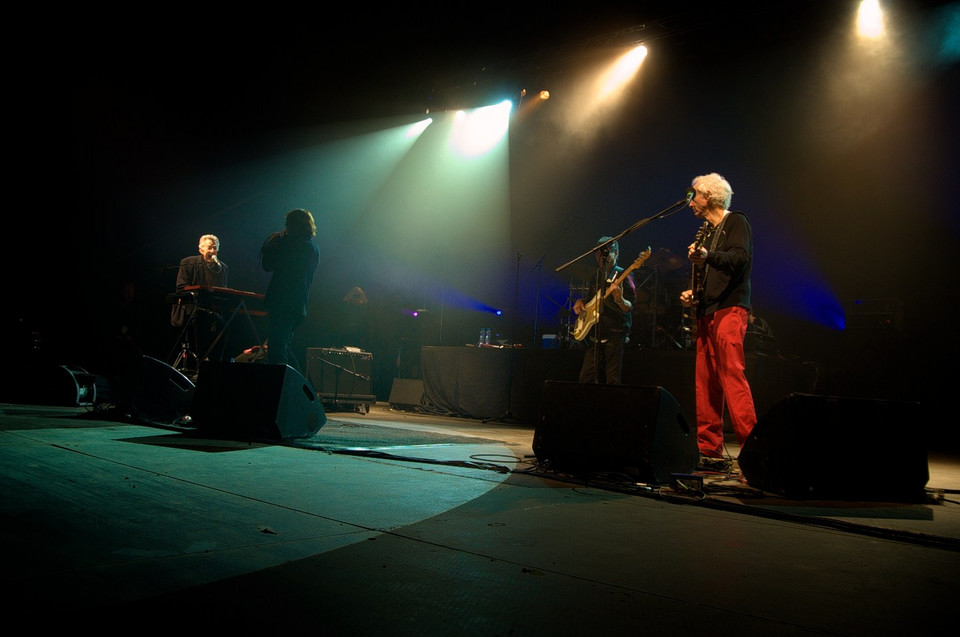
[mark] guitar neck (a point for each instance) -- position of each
(623, 275)
(697, 270)
(617, 281)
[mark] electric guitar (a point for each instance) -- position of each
(696, 281)
(590, 314)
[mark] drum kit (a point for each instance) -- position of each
(658, 319)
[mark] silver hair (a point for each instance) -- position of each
(717, 189)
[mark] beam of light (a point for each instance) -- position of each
(948, 22)
(800, 292)
(870, 19)
(479, 130)
(585, 105)
(417, 128)
(622, 71)
(444, 204)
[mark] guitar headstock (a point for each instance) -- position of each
(640, 259)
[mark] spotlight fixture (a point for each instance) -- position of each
(544, 96)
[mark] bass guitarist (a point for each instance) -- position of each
(721, 304)
(612, 301)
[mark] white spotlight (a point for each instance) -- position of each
(480, 130)
(870, 19)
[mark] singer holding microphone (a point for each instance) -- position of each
(719, 300)
(208, 270)
(292, 257)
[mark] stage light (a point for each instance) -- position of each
(624, 69)
(870, 19)
(499, 312)
(481, 129)
(415, 129)
(544, 96)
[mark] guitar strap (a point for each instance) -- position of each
(614, 273)
(714, 240)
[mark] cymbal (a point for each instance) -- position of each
(665, 260)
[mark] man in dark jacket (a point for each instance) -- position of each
(293, 257)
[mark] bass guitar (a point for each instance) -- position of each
(591, 310)
(696, 281)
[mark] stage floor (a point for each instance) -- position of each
(407, 523)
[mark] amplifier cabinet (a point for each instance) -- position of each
(341, 375)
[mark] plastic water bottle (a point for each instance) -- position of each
(486, 336)
(480, 338)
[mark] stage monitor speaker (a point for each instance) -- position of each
(65, 385)
(160, 393)
(637, 430)
(36, 383)
(242, 402)
(406, 393)
(838, 448)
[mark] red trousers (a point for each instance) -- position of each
(721, 379)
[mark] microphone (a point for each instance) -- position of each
(691, 193)
(215, 259)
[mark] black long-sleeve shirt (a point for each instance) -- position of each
(726, 279)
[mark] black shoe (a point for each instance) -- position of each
(717, 465)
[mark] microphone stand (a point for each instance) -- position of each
(536, 314)
(513, 348)
(666, 212)
(600, 280)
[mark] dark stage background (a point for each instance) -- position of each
(844, 159)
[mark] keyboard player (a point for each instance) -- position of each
(200, 325)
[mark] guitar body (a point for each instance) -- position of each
(590, 314)
(587, 318)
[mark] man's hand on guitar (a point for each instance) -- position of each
(616, 291)
(686, 298)
(696, 254)
(578, 306)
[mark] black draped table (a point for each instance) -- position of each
(473, 382)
